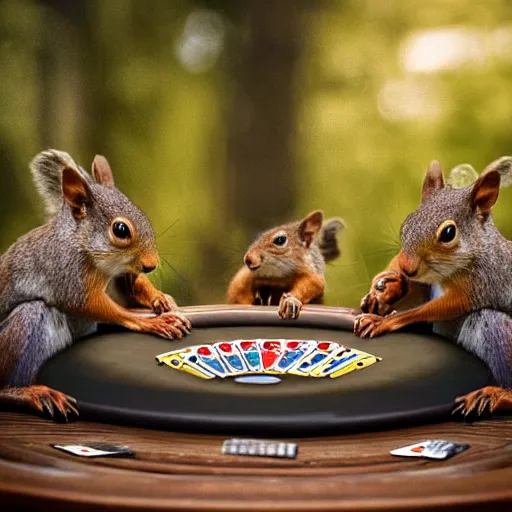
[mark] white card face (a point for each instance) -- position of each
(437, 449)
(82, 450)
(413, 450)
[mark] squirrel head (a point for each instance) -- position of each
(116, 234)
(281, 252)
(450, 227)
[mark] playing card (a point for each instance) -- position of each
(95, 450)
(437, 449)
(258, 447)
(270, 352)
(294, 351)
(341, 355)
(250, 350)
(307, 358)
(231, 357)
(186, 360)
(208, 357)
(362, 361)
(306, 365)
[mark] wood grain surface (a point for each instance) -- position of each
(177, 471)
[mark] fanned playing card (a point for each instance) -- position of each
(231, 357)
(342, 361)
(270, 352)
(294, 351)
(250, 351)
(312, 360)
(209, 357)
(185, 360)
(305, 358)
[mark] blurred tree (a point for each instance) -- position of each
(261, 140)
(221, 118)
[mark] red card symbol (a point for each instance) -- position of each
(225, 347)
(204, 351)
(324, 346)
(270, 353)
(417, 449)
(246, 345)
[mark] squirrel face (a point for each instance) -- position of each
(113, 231)
(282, 252)
(442, 237)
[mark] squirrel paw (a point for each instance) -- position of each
(50, 402)
(368, 326)
(289, 307)
(386, 289)
(168, 325)
(163, 303)
(479, 402)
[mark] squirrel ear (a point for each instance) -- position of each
(75, 191)
(485, 192)
(310, 226)
(102, 172)
(434, 180)
(504, 166)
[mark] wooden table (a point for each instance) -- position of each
(176, 471)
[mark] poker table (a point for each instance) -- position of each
(115, 378)
(344, 427)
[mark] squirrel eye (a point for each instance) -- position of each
(280, 240)
(121, 230)
(447, 234)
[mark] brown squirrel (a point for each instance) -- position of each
(285, 265)
(53, 280)
(453, 252)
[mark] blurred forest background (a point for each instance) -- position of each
(221, 118)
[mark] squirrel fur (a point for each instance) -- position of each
(285, 266)
(451, 244)
(54, 279)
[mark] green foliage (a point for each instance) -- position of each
(93, 77)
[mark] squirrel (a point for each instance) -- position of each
(285, 265)
(54, 279)
(455, 269)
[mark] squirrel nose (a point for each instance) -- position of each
(148, 262)
(408, 264)
(252, 262)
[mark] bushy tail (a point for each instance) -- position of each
(328, 238)
(46, 168)
(504, 166)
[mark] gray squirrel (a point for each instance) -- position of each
(54, 280)
(285, 265)
(455, 269)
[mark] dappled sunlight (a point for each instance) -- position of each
(202, 40)
(220, 119)
(442, 49)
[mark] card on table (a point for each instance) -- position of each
(260, 448)
(437, 449)
(95, 450)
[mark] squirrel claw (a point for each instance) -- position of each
(168, 325)
(368, 325)
(289, 307)
(479, 402)
(48, 401)
(387, 288)
(163, 303)
(184, 320)
(47, 406)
